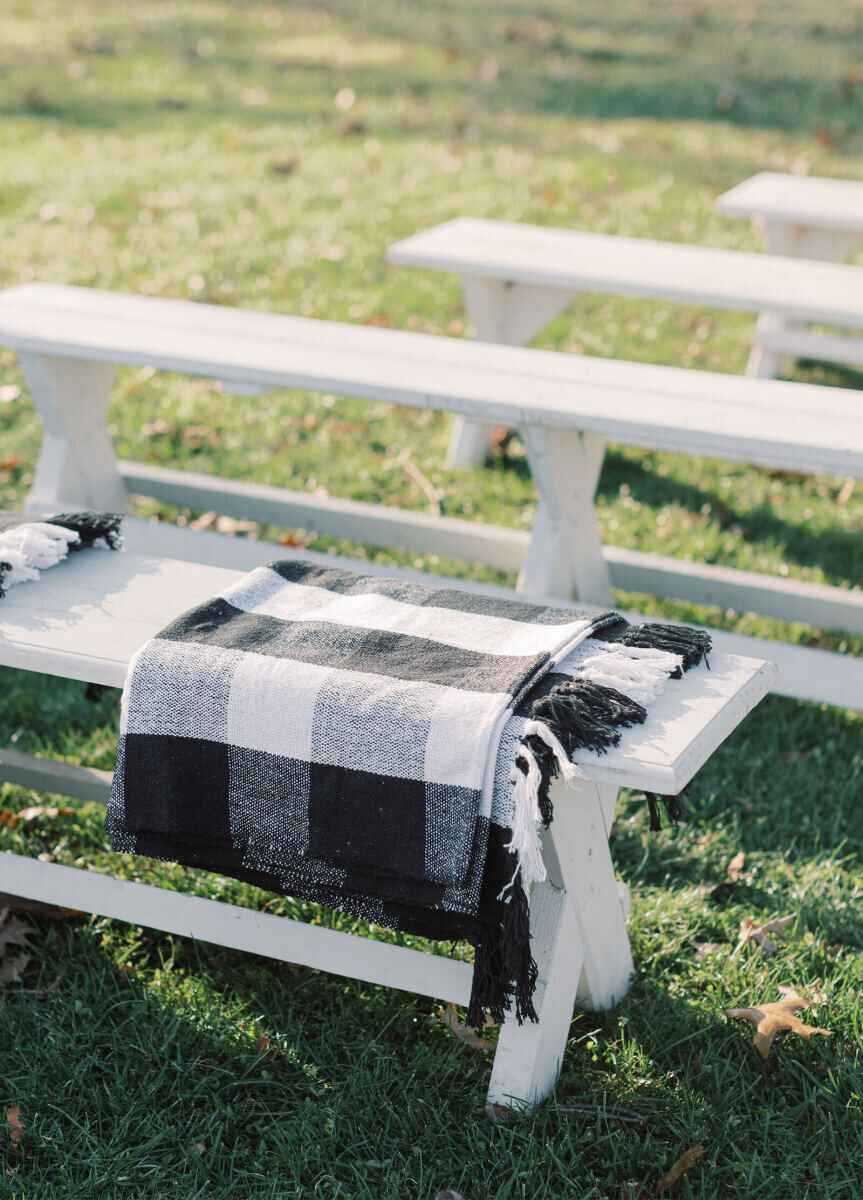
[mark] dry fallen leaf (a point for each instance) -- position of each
(463, 1032)
(449, 1194)
(735, 867)
(685, 1163)
(36, 812)
(768, 1019)
(16, 1126)
(262, 1047)
(12, 966)
(750, 932)
(846, 492)
(13, 931)
(706, 949)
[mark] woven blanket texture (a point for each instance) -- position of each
(380, 747)
(30, 544)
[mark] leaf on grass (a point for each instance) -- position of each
(463, 1032)
(13, 931)
(44, 812)
(16, 1126)
(706, 949)
(769, 1019)
(750, 932)
(685, 1163)
(846, 493)
(449, 1194)
(12, 966)
(735, 867)
(263, 1048)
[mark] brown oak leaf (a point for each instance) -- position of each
(769, 1019)
(12, 966)
(750, 932)
(735, 867)
(13, 931)
(16, 1126)
(463, 1032)
(685, 1163)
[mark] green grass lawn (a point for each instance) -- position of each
(264, 155)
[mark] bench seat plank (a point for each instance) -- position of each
(809, 200)
(739, 280)
(85, 618)
(786, 425)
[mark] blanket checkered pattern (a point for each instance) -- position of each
(380, 747)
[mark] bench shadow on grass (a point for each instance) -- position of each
(833, 550)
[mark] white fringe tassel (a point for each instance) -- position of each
(637, 672)
(527, 818)
(31, 547)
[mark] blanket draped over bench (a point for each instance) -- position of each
(380, 747)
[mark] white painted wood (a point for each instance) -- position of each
(564, 557)
(786, 425)
(581, 846)
(59, 778)
(799, 343)
(374, 524)
(86, 617)
(806, 241)
(801, 217)
(820, 605)
(528, 1057)
(592, 262)
(578, 930)
(506, 312)
(238, 928)
(807, 200)
(762, 362)
(77, 458)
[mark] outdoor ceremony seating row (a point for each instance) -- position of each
(566, 406)
(517, 277)
(802, 216)
(85, 618)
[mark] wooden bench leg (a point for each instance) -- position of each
(580, 944)
(77, 463)
(510, 313)
(792, 241)
(565, 556)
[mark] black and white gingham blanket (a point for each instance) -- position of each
(381, 747)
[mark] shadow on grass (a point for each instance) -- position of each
(836, 551)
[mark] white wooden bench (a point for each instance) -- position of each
(86, 617)
(802, 216)
(69, 339)
(517, 277)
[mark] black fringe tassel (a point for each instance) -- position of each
(90, 527)
(675, 809)
(583, 716)
(692, 645)
(504, 968)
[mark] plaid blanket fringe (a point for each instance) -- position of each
(380, 747)
(29, 545)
